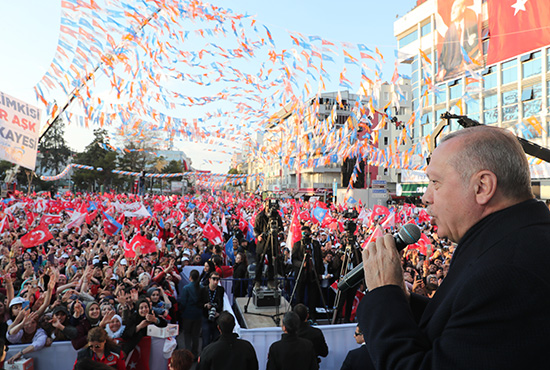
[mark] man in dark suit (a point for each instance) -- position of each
(358, 359)
(307, 331)
(307, 260)
(291, 352)
(228, 352)
(491, 310)
(267, 242)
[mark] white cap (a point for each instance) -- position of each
(123, 262)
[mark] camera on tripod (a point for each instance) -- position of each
(212, 312)
(272, 208)
(349, 224)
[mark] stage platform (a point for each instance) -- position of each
(260, 317)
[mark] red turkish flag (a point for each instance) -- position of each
(516, 27)
(294, 231)
(212, 233)
(128, 251)
(138, 358)
(51, 219)
(378, 210)
(142, 243)
(37, 236)
(4, 225)
(91, 216)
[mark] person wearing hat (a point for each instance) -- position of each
(62, 330)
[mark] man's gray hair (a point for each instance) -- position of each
(496, 150)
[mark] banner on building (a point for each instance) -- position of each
(459, 43)
(19, 131)
(517, 27)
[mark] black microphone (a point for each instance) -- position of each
(409, 234)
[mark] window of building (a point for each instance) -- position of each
(402, 111)
(510, 105)
(489, 78)
(413, 36)
(426, 29)
(440, 94)
(416, 129)
(426, 124)
(531, 64)
(485, 40)
(490, 109)
(455, 89)
(531, 97)
(509, 71)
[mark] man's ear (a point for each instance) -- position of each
(485, 186)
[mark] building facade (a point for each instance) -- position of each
(512, 93)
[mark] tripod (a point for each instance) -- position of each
(350, 243)
(270, 247)
(308, 258)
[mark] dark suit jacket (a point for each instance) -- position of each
(292, 353)
(316, 337)
(358, 359)
(490, 312)
(228, 352)
(261, 227)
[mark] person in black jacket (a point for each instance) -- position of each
(491, 310)
(136, 326)
(101, 349)
(307, 260)
(240, 271)
(191, 313)
(211, 301)
(359, 358)
(228, 352)
(307, 331)
(291, 352)
(267, 242)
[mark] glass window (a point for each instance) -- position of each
(509, 71)
(438, 114)
(413, 36)
(426, 124)
(472, 106)
(440, 94)
(416, 129)
(510, 105)
(490, 109)
(426, 29)
(455, 91)
(490, 78)
(531, 64)
(531, 96)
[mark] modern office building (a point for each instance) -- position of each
(489, 60)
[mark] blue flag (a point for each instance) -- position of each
(229, 250)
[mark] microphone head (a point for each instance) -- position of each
(409, 233)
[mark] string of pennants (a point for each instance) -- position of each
(207, 180)
(151, 55)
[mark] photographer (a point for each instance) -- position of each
(350, 252)
(267, 239)
(211, 300)
(308, 267)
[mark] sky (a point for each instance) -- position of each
(29, 31)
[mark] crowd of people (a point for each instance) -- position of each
(95, 270)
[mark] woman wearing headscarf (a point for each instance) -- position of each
(136, 326)
(115, 328)
(84, 322)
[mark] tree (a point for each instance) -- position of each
(54, 152)
(97, 156)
